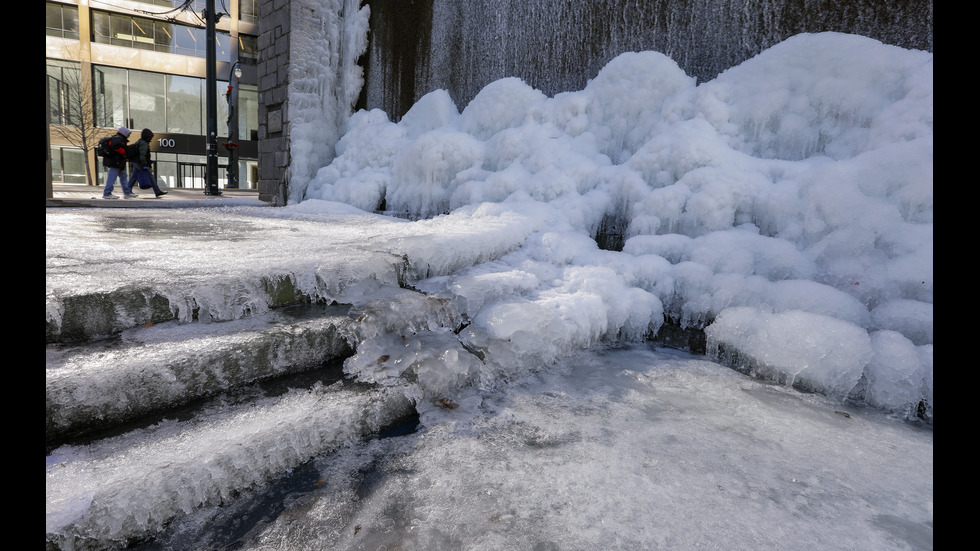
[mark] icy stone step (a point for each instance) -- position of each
(203, 265)
(84, 315)
(76, 315)
(145, 370)
(121, 490)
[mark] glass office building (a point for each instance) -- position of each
(143, 65)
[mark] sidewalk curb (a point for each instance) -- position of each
(82, 196)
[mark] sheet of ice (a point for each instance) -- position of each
(619, 449)
(798, 183)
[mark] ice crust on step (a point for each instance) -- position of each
(133, 485)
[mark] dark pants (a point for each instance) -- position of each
(144, 176)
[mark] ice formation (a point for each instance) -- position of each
(786, 205)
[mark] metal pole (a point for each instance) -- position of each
(211, 178)
(233, 127)
(48, 190)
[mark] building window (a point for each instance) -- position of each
(196, 5)
(147, 100)
(159, 36)
(111, 96)
(67, 165)
(66, 101)
(187, 171)
(184, 114)
(221, 113)
(249, 10)
(248, 112)
(61, 21)
(248, 49)
(163, 103)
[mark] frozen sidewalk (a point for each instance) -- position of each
(81, 195)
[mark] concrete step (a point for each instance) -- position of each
(120, 491)
(96, 385)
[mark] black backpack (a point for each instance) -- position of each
(104, 148)
(133, 152)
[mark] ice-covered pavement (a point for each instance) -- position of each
(641, 449)
(621, 448)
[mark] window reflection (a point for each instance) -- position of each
(161, 36)
(111, 96)
(147, 100)
(61, 21)
(164, 103)
(183, 105)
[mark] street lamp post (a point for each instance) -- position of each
(232, 144)
(211, 178)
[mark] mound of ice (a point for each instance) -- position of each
(794, 190)
(813, 351)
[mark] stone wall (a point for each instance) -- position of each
(273, 84)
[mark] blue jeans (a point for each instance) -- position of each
(111, 179)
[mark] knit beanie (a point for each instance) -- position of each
(124, 131)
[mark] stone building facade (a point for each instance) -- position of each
(273, 84)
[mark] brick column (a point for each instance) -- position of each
(273, 82)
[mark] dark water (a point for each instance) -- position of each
(558, 45)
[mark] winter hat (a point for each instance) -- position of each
(124, 131)
(146, 134)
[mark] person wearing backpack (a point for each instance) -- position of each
(140, 169)
(114, 160)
